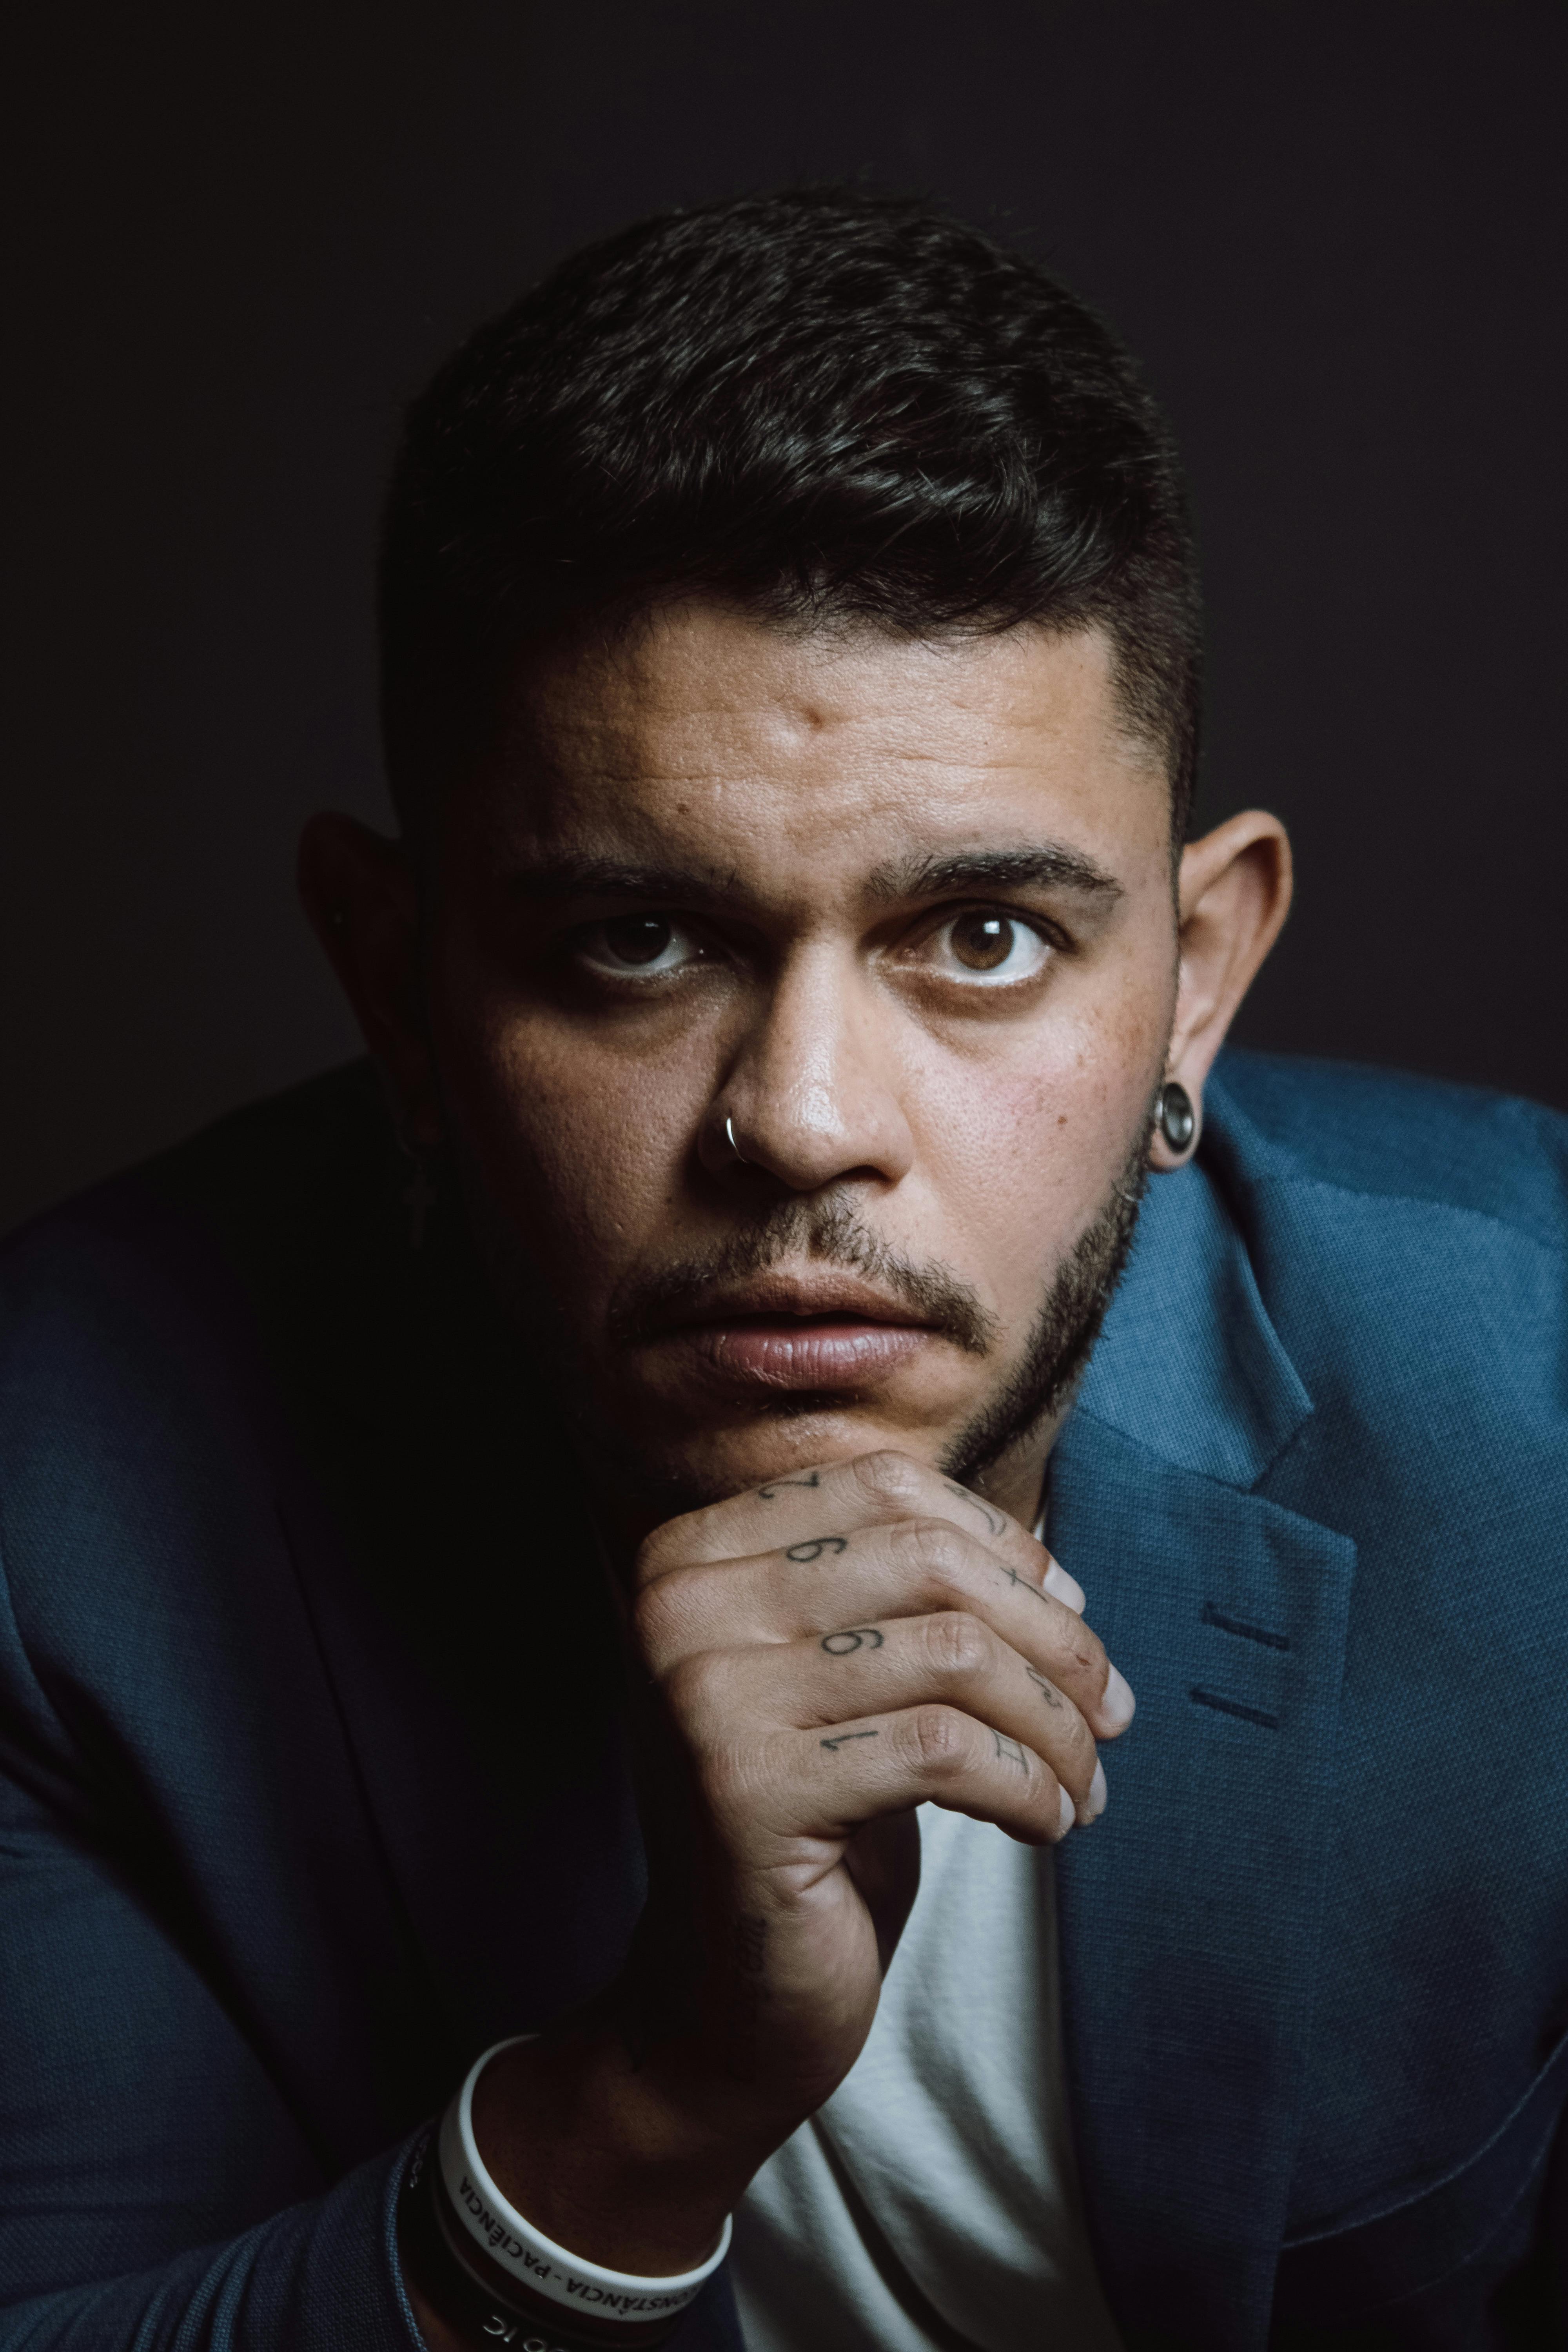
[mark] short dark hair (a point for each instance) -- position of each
(817, 404)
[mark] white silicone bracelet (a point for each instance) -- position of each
(526, 2254)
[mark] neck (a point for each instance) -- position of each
(1017, 1483)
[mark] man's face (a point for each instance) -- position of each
(900, 913)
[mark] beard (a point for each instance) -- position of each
(1053, 1361)
(1061, 1341)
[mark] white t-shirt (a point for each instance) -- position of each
(932, 2206)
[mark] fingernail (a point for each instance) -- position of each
(1063, 1587)
(1117, 1701)
(1094, 1803)
(1067, 1813)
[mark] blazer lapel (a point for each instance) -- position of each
(1189, 1918)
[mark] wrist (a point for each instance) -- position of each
(465, 2303)
(599, 2158)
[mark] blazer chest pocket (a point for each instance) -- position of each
(1422, 2273)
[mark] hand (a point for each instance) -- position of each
(823, 1654)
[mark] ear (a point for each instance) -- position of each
(1235, 894)
(360, 896)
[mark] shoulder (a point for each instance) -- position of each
(246, 1200)
(1408, 1240)
(1393, 1222)
(149, 1301)
(155, 1335)
(1382, 1137)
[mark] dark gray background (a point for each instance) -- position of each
(244, 234)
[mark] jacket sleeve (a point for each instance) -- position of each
(154, 2190)
(317, 2277)
(217, 2031)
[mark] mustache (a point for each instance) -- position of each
(828, 1231)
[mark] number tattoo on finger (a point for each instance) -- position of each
(844, 1645)
(805, 1553)
(992, 1519)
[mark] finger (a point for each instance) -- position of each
(840, 1777)
(950, 1659)
(838, 1497)
(911, 1568)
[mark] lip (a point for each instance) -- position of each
(817, 1330)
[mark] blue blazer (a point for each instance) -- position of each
(311, 1783)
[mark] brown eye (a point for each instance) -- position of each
(637, 939)
(987, 947)
(982, 942)
(640, 944)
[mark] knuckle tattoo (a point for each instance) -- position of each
(1021, 1583)
(994, 1522)
(770, 1493)
(850, 1638)
(1048, 1690)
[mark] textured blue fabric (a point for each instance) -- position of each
(311, 1778)
(287, 1832)
(323, 2274)
(1316, 1487)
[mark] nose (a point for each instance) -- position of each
(810, 1096)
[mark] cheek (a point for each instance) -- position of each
(582, 1146)
(1023, 1145)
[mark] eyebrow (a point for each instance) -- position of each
(1050, 863)
(608, 877)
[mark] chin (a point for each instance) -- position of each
(794, 1434)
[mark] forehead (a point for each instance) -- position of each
(745, 740)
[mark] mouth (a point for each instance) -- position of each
(819, 1331)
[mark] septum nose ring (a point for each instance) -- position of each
(730, 1139)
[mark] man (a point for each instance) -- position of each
(544, 1547)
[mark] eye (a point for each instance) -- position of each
(989, 947)
(637, 943)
